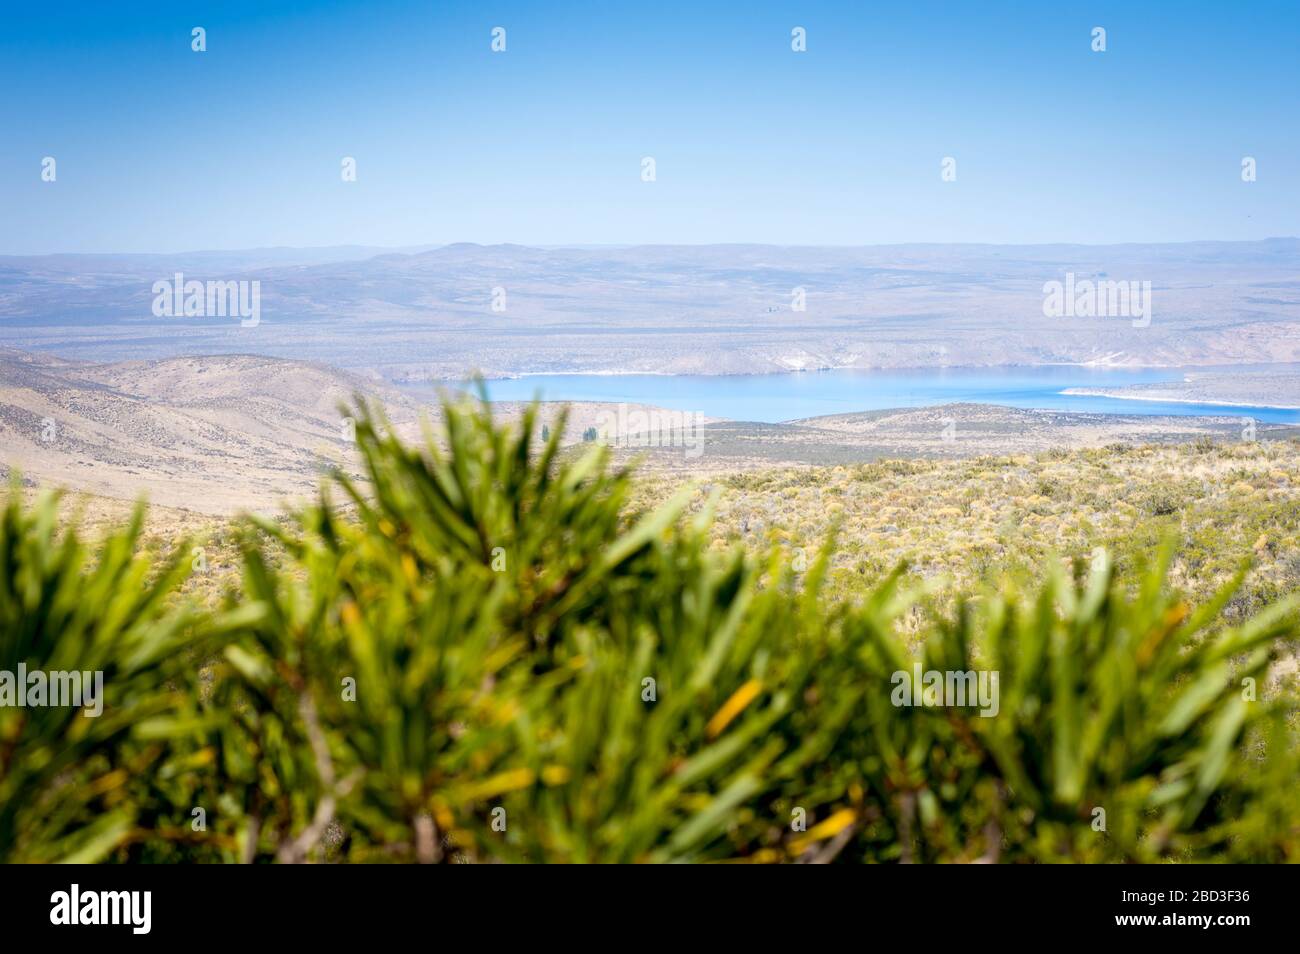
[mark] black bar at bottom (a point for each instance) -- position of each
(334, 903)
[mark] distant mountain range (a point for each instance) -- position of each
(416, 315)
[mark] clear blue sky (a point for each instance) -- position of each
(163, 149)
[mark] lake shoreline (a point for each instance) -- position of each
(1092, 366)
(1167, 399)
(829, 369)
(795, 395)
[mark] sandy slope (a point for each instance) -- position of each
(209, 434)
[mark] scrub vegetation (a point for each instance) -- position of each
(497, 648)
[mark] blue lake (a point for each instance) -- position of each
(789, 396)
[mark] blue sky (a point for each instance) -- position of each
(163, 149)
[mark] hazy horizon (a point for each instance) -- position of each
(422, 248)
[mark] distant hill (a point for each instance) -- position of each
(209, 434)
(711, 309)
(949, 431)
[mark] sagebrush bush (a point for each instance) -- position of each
(485, 653)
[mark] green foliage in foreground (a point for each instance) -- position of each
(482, 658)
